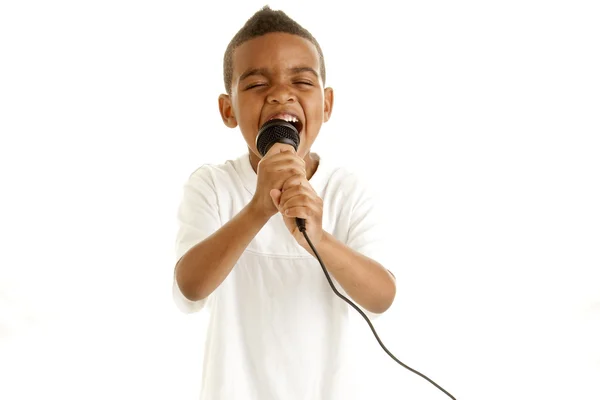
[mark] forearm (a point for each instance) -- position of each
(206, 265)
(366, 281)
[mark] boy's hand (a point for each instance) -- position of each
(298, 199)
(278, 165)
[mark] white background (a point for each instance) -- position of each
(476, 122)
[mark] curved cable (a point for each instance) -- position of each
(303, 230)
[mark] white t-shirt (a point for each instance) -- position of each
(276, 328)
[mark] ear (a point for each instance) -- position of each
(328, 106)
(226, 110)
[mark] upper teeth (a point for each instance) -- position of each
(286, 117)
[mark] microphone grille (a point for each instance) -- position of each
(276, 131)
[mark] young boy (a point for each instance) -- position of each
(277, 330)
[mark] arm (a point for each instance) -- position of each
(206, 265)
(366, 281)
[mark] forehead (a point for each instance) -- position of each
(275, 51)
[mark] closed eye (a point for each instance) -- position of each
(254, 85)
(304, 83)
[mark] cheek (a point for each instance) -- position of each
(248, 117)
(247, 107)
(316, 112)
(314, 104)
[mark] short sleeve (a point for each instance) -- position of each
(367, 228)
(197, 218)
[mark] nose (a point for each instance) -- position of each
(281, 94)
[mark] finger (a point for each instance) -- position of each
(303, 207)
(286, 165)
(299, 200)
(297, 190)
(297, 179)
(280, 147)
(280, 153)
(284, 155)
(299, 212)
(277, 158)
(275, 196)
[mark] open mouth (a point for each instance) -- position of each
(291, 118)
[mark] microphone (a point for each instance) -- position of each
(279, 131)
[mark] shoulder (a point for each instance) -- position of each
(350, 181)
(210, 173)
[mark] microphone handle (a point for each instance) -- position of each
(301, 224)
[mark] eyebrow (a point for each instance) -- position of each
(298, 70)
(265, 72)
(254, 71)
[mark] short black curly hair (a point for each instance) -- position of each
(262, 22)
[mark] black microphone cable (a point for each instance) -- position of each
(300, 222)
(280, 131)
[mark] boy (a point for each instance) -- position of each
(276, 328)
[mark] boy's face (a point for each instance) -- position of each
(272, 74)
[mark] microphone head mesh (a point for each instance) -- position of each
(276, 131)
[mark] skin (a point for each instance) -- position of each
(258, 96)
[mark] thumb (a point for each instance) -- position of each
(275, 196)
